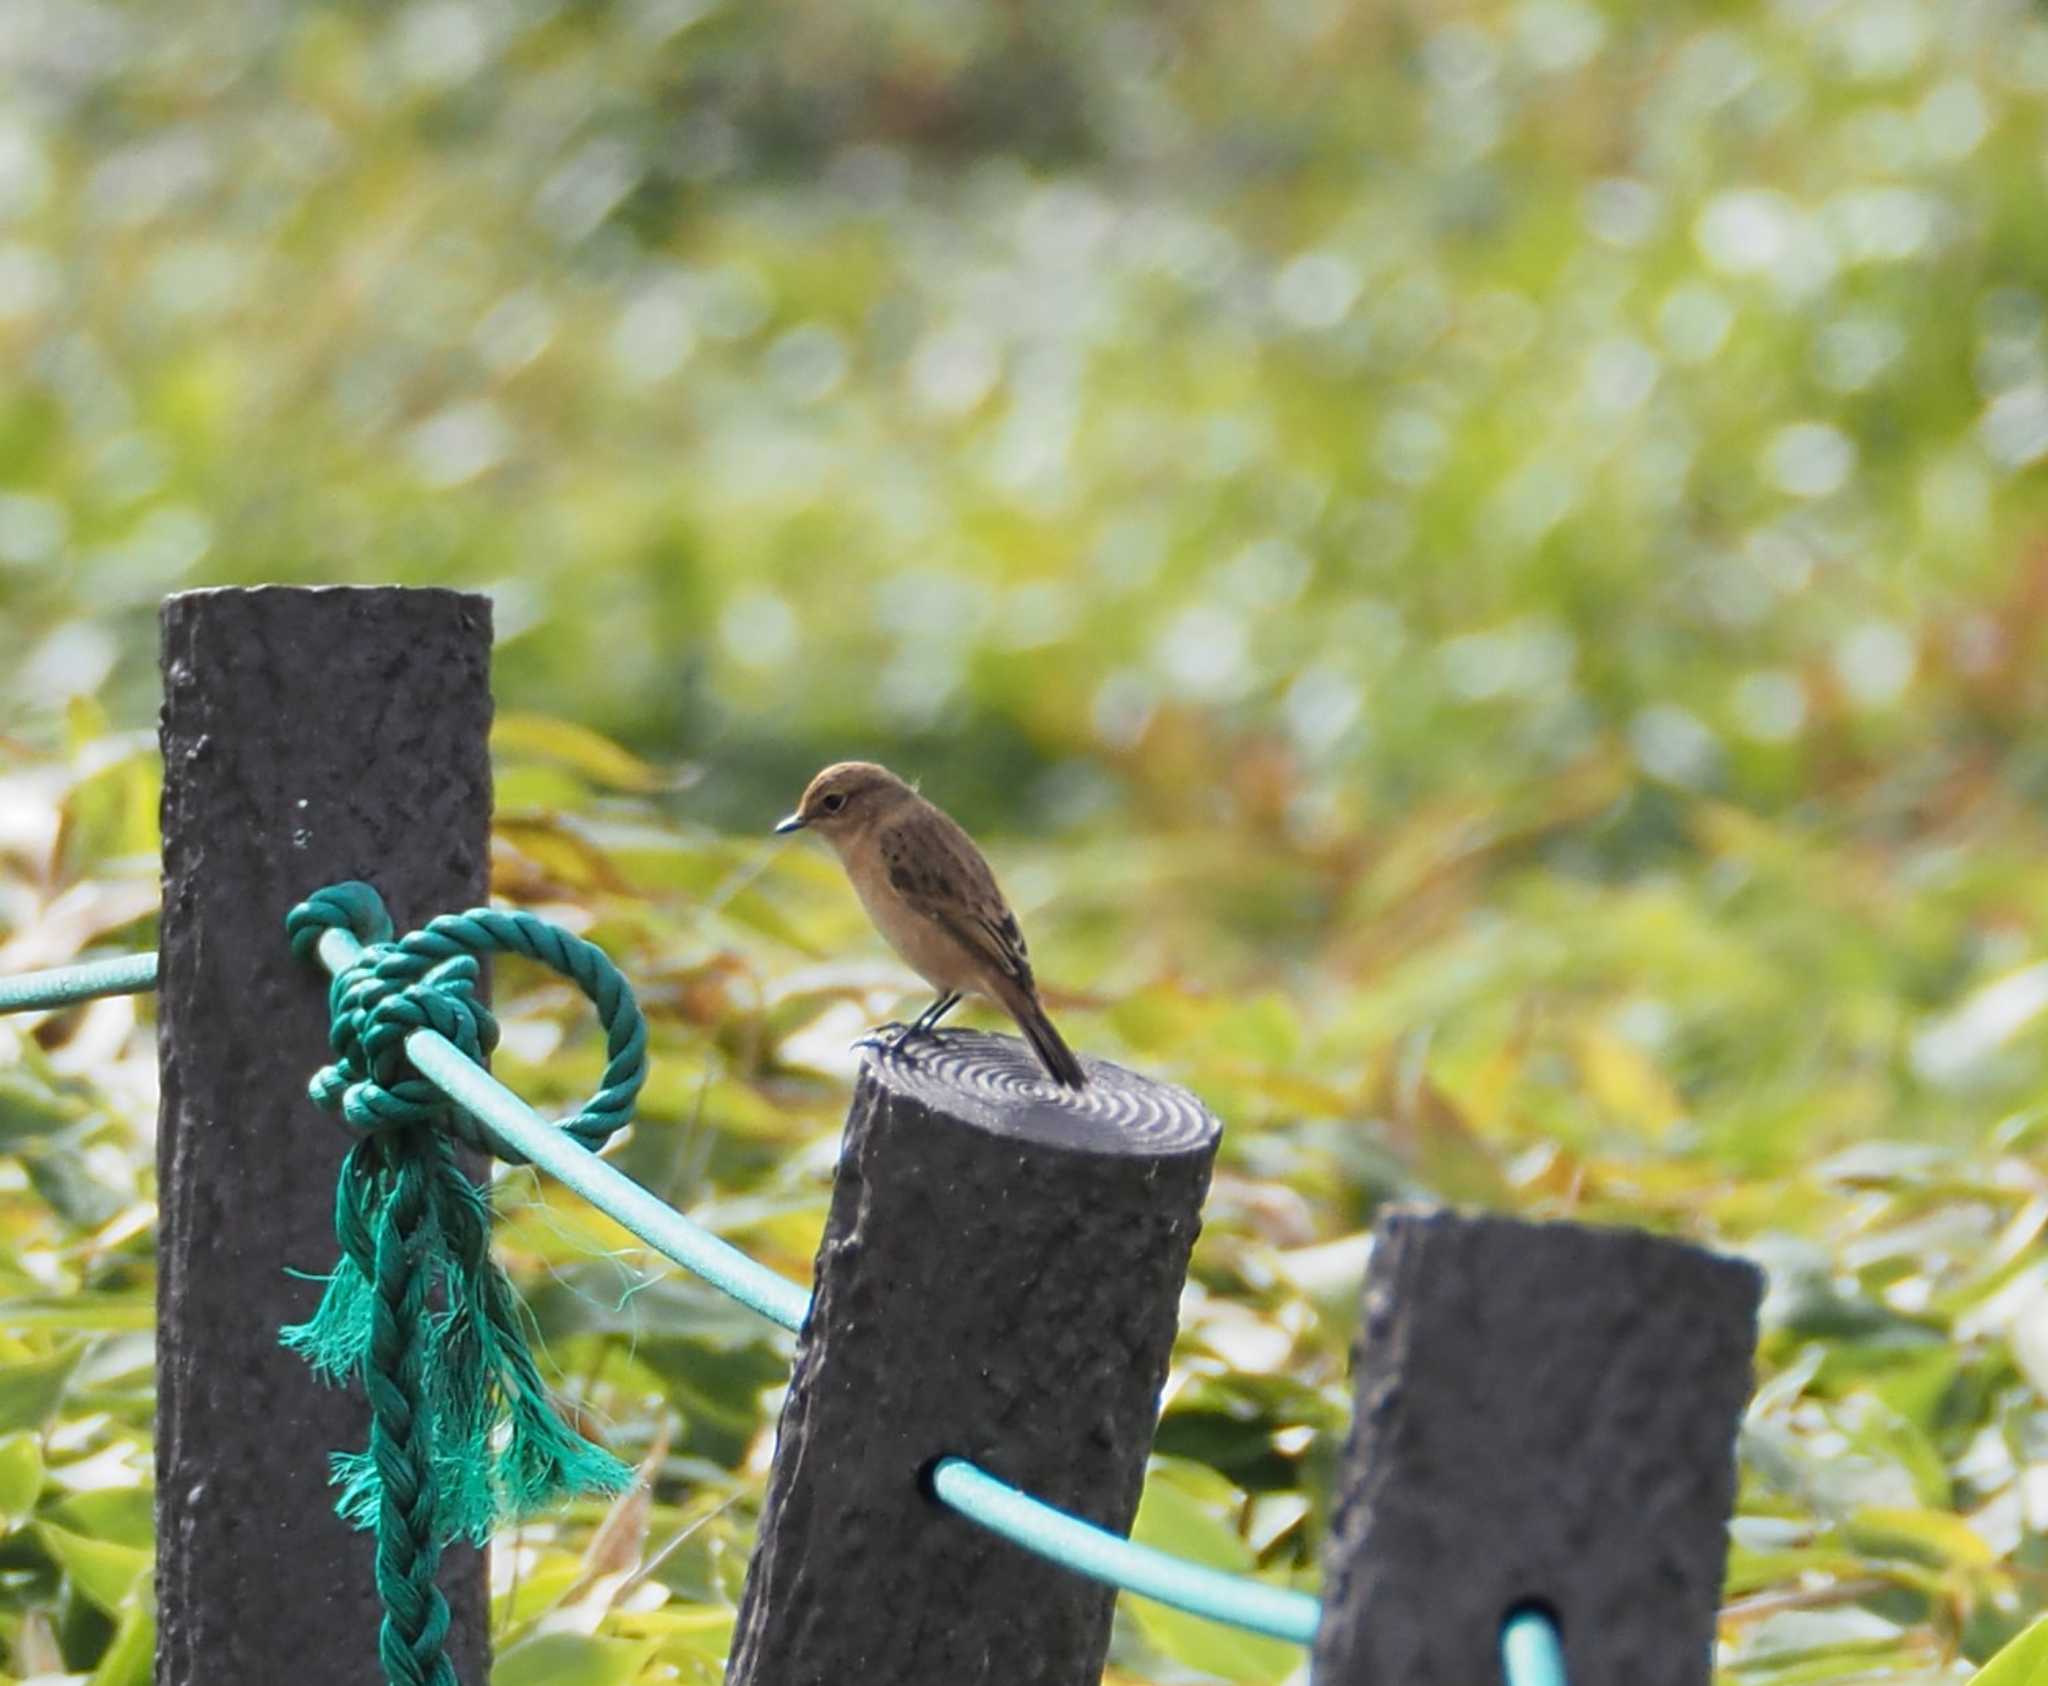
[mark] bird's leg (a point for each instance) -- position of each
(927, 1022)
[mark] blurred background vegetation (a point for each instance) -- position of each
(1481, 568)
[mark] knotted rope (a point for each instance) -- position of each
(462, 1433)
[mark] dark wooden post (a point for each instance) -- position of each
(1546, 1416)
(999, 1280)
(308, 736)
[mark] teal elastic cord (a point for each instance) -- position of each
(63, 986)
(1102, 1556)
(1531, 1651)
(1065, 1539)
(1016, 1516)
(516, 1124)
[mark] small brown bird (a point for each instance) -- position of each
(933, 897)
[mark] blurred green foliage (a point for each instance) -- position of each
(1481, 567)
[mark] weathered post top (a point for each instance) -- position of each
(998, 1281)
(996, 1085)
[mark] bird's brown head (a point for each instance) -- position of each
(846, 798)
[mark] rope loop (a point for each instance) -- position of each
(351, 906)
(463, 1435)
(428, 980)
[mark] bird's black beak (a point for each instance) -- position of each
(795, 822)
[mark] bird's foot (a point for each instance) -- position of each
(892, 1038)
(886, 1038)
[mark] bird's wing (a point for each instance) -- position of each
(935, 867)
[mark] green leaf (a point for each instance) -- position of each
(590, 753)
(2022, 1663)
(103, 1310)
(62, 1176)
(1894, 1438)
(85, 722)
(533, 787)
(1933, 1537)
(536, 1591)
(112, 812)
(29, 1392)
(124, 1515)
(572, 1659)
(104, 1571)
(31, 1108)
(1266, 1029)
(130, 1657)
(21, 1478)
(696, 1630)
(1173, 1517)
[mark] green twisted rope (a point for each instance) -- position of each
(462, 1433)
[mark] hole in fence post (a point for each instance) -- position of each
(1532, 1646)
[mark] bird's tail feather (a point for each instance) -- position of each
(1053, 1053)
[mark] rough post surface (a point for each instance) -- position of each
(1546, 1414)
(308, 736)
(999, 1279)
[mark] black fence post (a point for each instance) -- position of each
(308, 736)
(999, 1280)
(1546, 1417)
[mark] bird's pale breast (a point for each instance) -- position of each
(926, 946)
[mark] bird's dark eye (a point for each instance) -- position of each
(833, 803)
